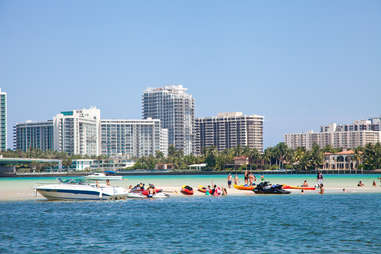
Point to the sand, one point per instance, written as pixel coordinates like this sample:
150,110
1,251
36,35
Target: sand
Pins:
12,189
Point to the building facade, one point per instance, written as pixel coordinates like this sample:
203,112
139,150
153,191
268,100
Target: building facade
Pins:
175,109
133,138
228,130
344,160
3,121
346,136
77,132
34,135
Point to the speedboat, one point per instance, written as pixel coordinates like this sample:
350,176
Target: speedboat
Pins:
267,188
103,177
79,189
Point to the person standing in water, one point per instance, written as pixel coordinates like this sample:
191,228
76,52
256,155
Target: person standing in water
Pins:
321,189
246,177
236,179
229,180
320,178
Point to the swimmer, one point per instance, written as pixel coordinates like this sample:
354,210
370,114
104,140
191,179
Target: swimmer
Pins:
360,184
321,189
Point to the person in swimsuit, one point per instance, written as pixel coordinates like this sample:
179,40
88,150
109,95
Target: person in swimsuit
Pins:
321,189
320,178
251,178
360,184
236,179
246,177
229,180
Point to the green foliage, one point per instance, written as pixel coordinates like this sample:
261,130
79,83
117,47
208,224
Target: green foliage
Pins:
277,157
371,157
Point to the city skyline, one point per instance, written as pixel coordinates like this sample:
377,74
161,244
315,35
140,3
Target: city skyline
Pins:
300,65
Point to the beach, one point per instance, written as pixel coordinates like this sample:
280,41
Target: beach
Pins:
22,188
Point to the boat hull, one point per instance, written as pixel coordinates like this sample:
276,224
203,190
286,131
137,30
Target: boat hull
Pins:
68,195
81,192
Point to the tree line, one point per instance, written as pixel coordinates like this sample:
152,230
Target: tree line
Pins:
276,157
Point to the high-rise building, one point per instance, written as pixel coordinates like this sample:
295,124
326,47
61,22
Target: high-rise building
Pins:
133,138
3,121
376,123
175,109
228,130
347,136
78,131
34,135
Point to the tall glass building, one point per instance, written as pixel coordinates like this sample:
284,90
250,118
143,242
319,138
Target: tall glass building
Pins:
3,121
34,135
175,109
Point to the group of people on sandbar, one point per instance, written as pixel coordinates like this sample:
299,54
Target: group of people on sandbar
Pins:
216,191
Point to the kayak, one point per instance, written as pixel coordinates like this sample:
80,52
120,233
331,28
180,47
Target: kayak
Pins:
187,190
202,189
243,187
297,187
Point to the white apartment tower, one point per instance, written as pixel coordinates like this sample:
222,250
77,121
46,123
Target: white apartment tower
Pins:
228,130
133,138
78,131
175,109
3,121
346,136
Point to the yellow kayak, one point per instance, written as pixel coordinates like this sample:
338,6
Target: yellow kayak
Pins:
243,187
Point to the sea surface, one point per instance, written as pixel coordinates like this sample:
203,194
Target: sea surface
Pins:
330,223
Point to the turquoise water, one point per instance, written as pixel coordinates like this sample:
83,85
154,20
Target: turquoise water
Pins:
259,224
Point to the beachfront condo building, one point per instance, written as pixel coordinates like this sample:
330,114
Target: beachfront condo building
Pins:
175,109
3,121
77,132
346,136
133,138
34,135
227,130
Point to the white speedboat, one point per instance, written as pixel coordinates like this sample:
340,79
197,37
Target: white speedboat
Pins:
102,177
78,189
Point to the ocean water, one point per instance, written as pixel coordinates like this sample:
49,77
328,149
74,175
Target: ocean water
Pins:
258,224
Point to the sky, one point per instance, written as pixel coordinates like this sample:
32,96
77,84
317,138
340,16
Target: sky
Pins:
300,64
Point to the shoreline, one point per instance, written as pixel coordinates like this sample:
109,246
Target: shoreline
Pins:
22,188
174,192
153,173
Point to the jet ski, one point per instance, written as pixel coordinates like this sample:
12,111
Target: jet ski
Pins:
267,188
142,196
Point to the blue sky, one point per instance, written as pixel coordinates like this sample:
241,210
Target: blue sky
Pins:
301,64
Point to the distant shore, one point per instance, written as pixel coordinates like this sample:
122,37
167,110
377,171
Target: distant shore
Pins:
187,172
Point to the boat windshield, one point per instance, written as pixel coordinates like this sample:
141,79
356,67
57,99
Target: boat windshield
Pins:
72,180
